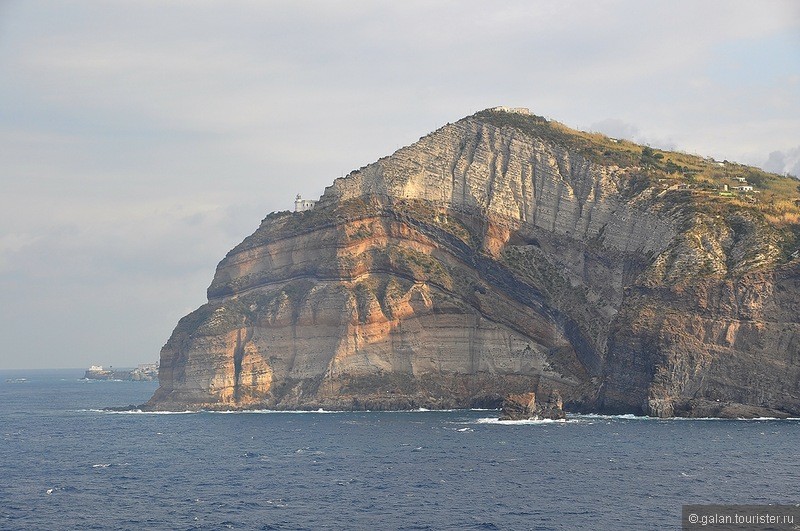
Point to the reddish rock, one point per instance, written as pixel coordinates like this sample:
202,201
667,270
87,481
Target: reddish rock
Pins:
524,407
499,254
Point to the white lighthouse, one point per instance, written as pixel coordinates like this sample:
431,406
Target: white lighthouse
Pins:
301,205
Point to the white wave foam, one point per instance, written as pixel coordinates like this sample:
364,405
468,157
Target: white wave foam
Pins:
739,419
494,420
597,416
594,416
274,411
282,411
571,417
135,412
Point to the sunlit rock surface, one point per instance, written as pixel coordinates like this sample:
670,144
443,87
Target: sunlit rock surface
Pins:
499,254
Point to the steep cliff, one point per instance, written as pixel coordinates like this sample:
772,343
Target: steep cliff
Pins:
503,254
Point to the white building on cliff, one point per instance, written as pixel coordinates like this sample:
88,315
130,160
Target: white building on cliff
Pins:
301,205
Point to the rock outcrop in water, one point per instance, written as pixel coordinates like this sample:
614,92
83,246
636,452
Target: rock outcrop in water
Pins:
518,407
502,254
526,407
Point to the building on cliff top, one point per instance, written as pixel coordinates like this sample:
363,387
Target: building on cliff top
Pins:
301,205
512,110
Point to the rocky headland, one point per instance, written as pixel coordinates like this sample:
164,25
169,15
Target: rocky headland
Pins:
505,254
147,372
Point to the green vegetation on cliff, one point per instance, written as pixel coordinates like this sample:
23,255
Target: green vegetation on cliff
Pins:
689,185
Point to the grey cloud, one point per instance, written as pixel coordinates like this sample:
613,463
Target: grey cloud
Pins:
616,128
141,141
784,162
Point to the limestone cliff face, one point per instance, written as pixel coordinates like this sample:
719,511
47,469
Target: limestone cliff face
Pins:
496,255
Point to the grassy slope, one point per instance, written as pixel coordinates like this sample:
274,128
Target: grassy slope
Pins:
775,198
704,174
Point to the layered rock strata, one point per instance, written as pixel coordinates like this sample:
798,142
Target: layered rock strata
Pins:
495,256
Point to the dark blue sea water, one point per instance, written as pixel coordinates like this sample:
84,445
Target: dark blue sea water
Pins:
64,464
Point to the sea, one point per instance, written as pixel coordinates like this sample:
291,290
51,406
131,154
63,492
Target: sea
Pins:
65,463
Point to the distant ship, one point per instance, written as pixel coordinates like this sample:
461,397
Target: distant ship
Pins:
145,372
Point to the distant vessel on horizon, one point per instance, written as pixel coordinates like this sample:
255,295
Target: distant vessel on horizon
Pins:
144,372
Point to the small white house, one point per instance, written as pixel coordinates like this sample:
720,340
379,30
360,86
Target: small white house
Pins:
301,205
742,179
746,188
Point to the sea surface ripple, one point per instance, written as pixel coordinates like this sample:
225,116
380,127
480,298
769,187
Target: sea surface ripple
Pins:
66,464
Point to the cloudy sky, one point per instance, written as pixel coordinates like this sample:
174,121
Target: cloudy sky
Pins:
141,140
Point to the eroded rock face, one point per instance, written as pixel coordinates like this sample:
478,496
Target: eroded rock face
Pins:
552,409
485,260
519,407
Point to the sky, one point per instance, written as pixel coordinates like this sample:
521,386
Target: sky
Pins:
141,140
